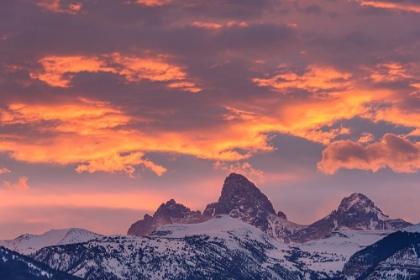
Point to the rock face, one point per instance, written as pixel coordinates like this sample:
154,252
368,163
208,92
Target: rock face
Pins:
241,199
167,213
356,212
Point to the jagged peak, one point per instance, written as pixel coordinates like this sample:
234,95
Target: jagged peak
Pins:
171,204
355,199
361,203
281,214
238,183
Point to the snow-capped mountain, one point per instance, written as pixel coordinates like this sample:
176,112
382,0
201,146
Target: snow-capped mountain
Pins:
14,266
397,256
239,237
28,243
242,200
167,213
356,212
221,248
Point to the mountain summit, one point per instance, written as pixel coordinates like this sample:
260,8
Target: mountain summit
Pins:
167,213
355,212
241,199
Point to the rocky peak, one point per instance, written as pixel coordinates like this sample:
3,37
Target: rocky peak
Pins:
171,209
167,213
281,214
355,212
241,199
358,202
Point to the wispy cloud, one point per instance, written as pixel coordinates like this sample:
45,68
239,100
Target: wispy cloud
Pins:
21,184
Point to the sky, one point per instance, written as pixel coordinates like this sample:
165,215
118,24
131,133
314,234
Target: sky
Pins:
109,108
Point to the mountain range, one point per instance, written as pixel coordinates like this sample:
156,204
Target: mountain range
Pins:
241,236
242,200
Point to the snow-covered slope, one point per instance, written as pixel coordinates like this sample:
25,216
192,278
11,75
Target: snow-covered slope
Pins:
281,228
222,248
14,266
414,228
27,243
394,257
329,254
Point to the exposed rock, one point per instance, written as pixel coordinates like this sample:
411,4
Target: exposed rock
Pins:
241,199
167,213
356,212
280,214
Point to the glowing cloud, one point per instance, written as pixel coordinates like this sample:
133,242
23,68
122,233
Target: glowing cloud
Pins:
366,137
4,170
102,138
57,6
397,153
58,71
397,6
21,185
153,2
121,163
391,72
315,78
207,25
244,168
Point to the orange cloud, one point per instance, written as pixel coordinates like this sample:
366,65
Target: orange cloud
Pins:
153,2
121,163
391,72
397,153
316,78
187,86
392,6
105,138
217,26
234,23
58,71
366,137
207,25
101,138
310,117
57,6
21,185
244,168
4,170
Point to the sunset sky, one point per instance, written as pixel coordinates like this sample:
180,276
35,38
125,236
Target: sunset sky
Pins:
110,107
